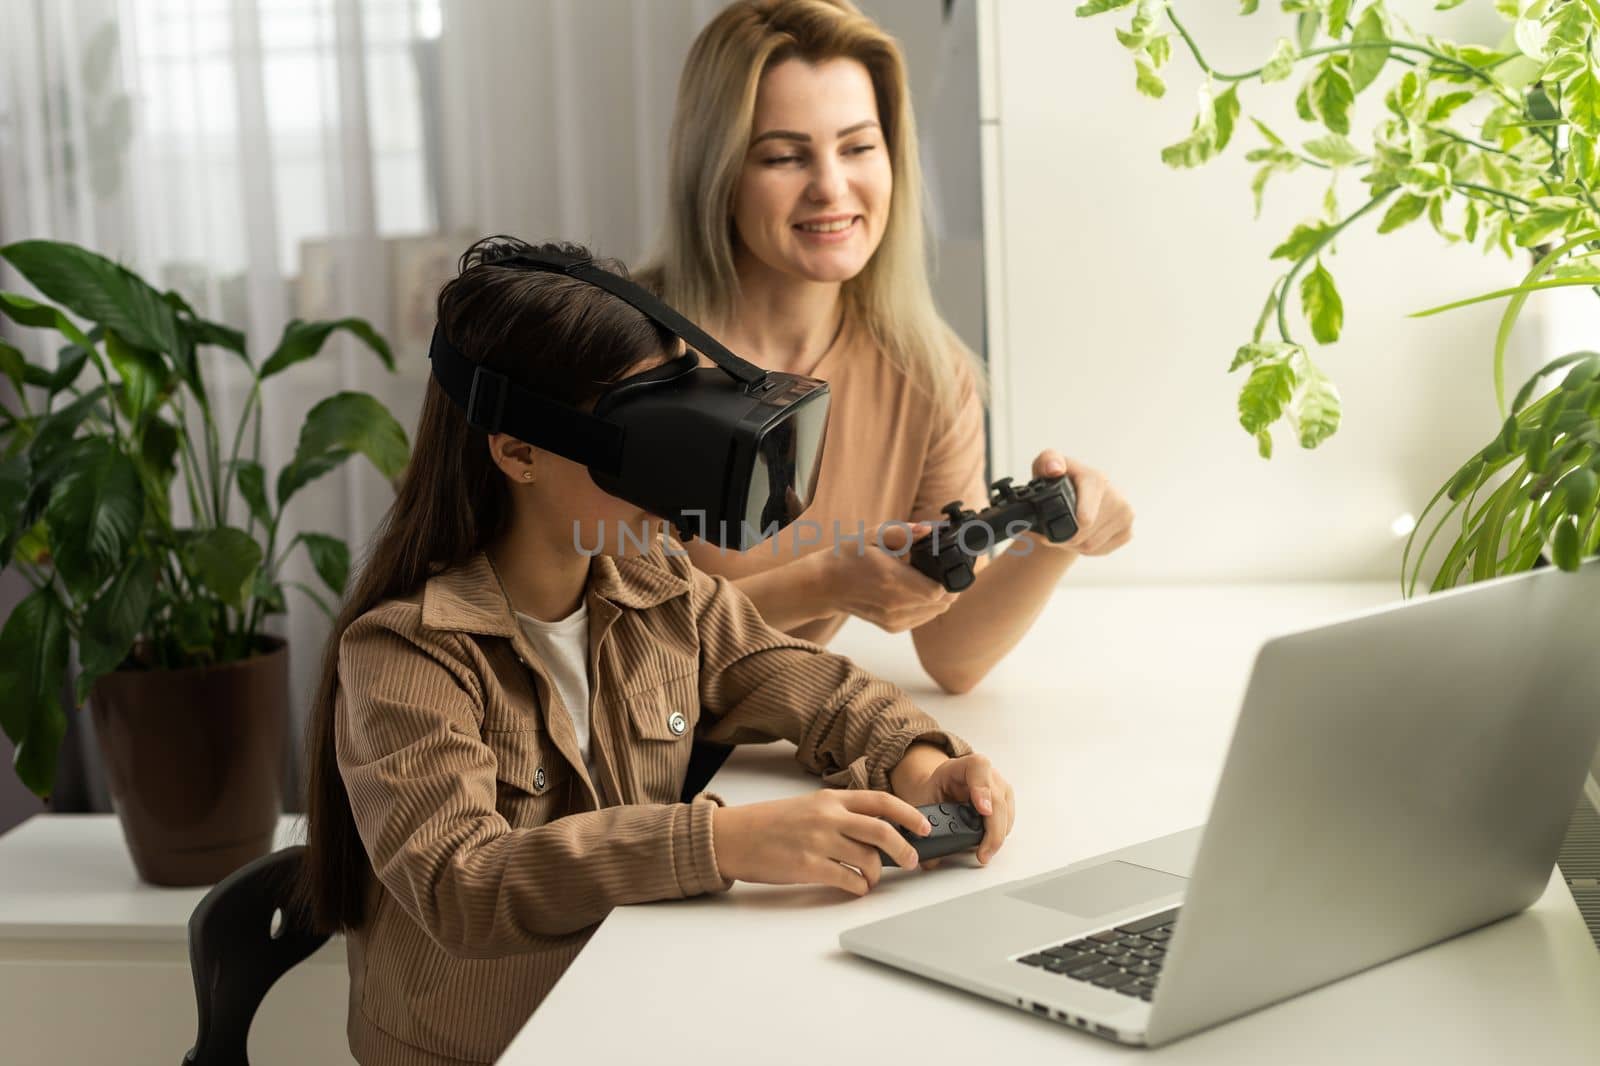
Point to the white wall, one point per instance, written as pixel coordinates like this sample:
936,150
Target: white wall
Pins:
1120,288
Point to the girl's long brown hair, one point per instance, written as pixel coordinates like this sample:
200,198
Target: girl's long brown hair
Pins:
561,337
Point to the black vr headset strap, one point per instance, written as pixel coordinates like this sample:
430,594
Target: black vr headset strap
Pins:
496,404
644,301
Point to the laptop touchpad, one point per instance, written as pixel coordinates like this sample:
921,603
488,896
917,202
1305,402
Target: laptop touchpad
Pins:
1111,886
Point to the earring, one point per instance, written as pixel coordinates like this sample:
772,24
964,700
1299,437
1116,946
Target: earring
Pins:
527,475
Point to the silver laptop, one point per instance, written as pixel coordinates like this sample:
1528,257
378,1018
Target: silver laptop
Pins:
1394,779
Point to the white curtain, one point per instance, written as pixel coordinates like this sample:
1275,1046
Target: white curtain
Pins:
278,159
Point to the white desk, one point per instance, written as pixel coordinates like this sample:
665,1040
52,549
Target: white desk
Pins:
94,963
1111,720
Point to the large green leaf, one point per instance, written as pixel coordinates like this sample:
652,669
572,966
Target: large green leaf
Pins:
93,515
1405,210
1317,409
113,622
1226,110
345,423
143,375
1570,26
69,364
33,667
1147,81
302,472
1583,372
1302,242
1546,220
302,340
253,487
93,287
1306,25
1265,394
1581,101
1565,546
26,311
1338,12
1324,309
1331,95
331,558
1335,150
1578,491
202,331
15,366
1369,53
225,560
1281,64
1427,180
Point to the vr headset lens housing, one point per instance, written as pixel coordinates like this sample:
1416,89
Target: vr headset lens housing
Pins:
730,453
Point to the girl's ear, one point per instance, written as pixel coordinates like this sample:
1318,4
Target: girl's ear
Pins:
517,459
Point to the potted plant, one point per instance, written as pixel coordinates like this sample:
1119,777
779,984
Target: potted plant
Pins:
151,540
1498,147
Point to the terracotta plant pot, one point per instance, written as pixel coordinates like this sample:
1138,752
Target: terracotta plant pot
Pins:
194,760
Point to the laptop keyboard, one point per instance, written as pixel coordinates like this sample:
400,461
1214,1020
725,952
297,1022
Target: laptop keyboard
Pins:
1126,959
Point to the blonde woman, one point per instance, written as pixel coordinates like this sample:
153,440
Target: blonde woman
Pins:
794,234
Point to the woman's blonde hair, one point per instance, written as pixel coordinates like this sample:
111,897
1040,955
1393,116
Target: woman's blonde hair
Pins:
693,269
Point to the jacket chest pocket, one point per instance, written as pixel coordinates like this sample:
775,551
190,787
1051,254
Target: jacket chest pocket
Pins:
531,779
661,720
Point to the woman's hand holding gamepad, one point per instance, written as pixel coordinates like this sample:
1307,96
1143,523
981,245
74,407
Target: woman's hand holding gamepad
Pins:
879,585
820,839
925,774
1105,521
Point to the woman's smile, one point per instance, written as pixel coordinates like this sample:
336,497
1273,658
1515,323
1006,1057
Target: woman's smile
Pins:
832,229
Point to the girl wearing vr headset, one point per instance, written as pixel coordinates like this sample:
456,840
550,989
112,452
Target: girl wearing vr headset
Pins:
794,234
504,718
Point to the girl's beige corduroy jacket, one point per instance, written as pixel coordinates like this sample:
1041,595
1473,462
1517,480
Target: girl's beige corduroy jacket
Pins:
495,856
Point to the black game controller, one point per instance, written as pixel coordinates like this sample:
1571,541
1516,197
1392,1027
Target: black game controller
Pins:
1046,504
956,827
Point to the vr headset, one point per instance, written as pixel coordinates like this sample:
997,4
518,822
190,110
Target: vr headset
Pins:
730,452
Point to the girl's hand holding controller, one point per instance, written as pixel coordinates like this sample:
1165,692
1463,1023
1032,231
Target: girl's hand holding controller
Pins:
878,584
926,775
816,839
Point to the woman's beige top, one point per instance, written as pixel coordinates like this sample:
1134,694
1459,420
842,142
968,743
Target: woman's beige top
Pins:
493,856
889,454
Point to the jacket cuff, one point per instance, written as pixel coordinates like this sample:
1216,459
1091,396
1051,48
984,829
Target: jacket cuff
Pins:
872,769
694,851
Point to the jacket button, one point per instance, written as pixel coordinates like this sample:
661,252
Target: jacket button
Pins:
677,723
539,779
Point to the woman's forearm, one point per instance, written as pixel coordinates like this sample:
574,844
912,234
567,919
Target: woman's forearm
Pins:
962,645
793,593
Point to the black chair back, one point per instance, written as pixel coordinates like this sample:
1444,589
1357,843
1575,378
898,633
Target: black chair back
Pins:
243,936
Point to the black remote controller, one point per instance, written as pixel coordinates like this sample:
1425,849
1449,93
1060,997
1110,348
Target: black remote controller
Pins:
956,827
1046,504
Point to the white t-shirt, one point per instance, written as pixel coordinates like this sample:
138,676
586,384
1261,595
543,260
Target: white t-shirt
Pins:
563,647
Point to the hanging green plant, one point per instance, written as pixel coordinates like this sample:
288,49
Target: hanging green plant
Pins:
1495,147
